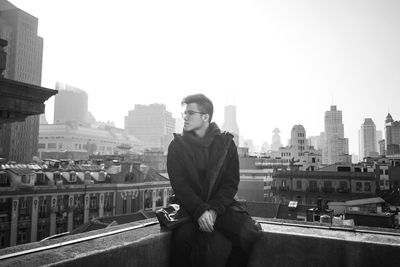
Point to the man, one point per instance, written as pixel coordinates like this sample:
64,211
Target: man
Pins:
203,167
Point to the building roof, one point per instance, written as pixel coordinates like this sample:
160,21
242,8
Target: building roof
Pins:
365,201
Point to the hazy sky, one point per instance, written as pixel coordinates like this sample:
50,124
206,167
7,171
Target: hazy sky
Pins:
281,62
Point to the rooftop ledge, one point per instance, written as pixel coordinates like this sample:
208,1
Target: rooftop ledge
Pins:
284,243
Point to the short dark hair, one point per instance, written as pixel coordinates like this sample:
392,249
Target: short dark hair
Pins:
204,103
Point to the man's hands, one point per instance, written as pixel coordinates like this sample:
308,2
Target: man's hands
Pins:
206,221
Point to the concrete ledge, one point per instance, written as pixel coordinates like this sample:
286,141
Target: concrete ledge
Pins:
280,245
147,246
301,246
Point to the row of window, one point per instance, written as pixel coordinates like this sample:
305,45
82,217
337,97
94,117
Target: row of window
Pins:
328,185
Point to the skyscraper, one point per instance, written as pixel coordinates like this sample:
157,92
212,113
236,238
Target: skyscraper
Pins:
276,140
230,123
336,147
19,140
70,105
298,141
367,139
392,134
152,124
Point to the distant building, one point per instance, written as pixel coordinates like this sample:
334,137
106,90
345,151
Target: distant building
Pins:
276,140
379,137
70,105
230,123
315,141
249,143
392,136
336,183
78,142
336,147
19,140
304,156
367,139
37,201
151,124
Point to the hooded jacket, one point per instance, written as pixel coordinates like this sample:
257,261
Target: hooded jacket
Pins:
216,154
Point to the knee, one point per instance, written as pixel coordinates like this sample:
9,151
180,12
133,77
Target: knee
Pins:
184,235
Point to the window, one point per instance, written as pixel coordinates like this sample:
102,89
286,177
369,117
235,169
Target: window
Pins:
358,186
298,185
3,179
313,160
22,236
343,184
381,172
367,187
42,146
94,202
72,176
387,172
124,206
52,145
327,184
43,207
3,238
40,178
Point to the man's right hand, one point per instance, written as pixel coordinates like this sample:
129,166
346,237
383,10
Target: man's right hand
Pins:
206,221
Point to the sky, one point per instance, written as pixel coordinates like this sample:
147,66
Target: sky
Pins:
281,63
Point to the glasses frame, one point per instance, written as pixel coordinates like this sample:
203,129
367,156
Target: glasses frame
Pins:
190,113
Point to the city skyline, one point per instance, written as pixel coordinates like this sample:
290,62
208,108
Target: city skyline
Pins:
284,63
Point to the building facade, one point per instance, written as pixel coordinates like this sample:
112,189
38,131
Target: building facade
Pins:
307,187
70,105
152,124
19,140
84,141
392,136
367,138
335,146
40,201
276,140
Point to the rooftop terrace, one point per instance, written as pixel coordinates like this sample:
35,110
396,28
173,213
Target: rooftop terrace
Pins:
283,243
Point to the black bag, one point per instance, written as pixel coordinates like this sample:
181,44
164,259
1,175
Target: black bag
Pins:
167,217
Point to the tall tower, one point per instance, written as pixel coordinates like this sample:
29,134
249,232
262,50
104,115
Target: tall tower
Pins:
19,140
230,123
298,141
335,145
152,124
392,134
367,138
276,140
70,105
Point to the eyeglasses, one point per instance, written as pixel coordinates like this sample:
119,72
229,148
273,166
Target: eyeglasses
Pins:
189,113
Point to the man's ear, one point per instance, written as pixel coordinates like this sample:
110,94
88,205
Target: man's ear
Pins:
206,117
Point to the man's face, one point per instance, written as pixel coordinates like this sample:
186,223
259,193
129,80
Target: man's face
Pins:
193,117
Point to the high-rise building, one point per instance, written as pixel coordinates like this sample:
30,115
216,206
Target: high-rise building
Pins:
152,124
392,134
367,138
298,140
230,123
19,140
336,147
315,141
70,105
276,140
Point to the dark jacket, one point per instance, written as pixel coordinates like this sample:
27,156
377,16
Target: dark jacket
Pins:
191,190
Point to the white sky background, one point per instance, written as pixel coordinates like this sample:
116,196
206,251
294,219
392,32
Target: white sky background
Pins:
281,62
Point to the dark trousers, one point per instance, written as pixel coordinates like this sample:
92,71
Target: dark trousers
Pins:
230,243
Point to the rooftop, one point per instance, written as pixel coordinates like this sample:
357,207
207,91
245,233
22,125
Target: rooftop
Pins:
144,243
